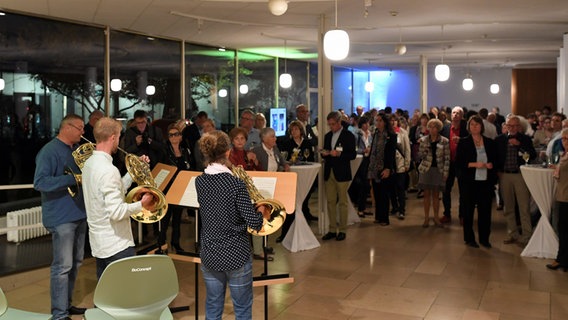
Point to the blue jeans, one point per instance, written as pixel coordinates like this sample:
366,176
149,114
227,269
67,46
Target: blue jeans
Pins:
240,285
68,242
102,263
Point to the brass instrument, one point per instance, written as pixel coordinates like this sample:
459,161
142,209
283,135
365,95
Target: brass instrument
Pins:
140,173
276,208
80,155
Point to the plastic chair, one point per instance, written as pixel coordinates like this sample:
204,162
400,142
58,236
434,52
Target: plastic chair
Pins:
7,313
136,288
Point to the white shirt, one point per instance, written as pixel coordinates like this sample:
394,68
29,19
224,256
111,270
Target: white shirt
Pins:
108,215
490,130
272,163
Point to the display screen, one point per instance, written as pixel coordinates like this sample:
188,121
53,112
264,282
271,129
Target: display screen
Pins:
278,121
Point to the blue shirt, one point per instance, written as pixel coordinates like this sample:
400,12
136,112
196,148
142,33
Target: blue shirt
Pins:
58,207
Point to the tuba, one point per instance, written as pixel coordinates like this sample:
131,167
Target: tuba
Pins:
140,173
276,208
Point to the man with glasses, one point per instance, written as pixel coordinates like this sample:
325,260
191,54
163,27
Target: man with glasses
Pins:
247,122
510,148
143,139
64,216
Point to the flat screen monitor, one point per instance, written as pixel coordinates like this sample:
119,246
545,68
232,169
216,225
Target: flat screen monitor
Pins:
278,121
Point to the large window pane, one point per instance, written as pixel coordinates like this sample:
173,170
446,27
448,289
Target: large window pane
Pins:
50,69
257,78
210,82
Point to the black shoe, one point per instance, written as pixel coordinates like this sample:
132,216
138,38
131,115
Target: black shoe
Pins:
329,235
556,265
279,239
401,216
178,248
340,236
76,310
485,244
472,244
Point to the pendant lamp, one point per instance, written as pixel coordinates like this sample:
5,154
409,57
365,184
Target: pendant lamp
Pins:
336,42
285,79
115,85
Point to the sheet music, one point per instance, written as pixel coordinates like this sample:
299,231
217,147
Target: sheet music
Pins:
189,198
161,176
265,185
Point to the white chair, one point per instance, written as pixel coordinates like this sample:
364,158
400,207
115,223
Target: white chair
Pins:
7,313
136,288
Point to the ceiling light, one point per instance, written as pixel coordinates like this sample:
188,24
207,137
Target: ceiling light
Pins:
150,90
2,84
336,42
223,93
442,72
277,7
494,88
400,49
244,89
467,83
115,85
285,79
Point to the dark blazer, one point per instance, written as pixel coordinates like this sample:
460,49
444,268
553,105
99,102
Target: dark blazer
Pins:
290,144
340,165
190,136
501,145
463,130
467,153
262,158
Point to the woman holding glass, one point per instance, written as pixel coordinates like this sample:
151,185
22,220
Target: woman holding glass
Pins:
434,167
474,163
297,141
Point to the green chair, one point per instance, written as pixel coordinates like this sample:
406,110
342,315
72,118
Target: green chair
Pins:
7,313
135,288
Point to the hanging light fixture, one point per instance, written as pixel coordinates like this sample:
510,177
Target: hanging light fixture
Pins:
494,88
285,79
400,48
2,84
277,7
442,70
223,93
336,42
244,89
115,84
467,83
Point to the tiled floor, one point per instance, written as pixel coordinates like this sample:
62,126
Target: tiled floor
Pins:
402,271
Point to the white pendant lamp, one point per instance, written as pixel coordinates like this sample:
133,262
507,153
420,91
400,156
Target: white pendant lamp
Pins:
336,42
244,89
285,79
2,84
115,85
442,72
223,93
150,90
467,83
277,7
400,48
494,88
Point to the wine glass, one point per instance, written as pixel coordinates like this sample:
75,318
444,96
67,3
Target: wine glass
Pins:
306,153
284,155
526,157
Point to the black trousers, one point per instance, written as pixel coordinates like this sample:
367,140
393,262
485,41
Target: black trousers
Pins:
476,194
562,256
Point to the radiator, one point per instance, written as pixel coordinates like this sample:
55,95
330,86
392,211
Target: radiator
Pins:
25,224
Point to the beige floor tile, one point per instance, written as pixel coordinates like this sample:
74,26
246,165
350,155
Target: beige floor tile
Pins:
480,315
438,312
558,306
459,297
516,302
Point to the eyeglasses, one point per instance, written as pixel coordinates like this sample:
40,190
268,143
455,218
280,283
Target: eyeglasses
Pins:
246,119
78,128
175,134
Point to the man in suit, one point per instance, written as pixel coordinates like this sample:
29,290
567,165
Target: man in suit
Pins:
339,150
510,148
454,131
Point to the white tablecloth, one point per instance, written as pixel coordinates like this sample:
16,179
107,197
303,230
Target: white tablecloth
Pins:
542,185
300,237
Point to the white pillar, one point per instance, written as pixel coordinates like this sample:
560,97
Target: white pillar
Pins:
423,84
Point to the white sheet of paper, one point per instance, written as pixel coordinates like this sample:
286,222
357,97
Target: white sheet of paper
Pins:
265,185
189,197
161,176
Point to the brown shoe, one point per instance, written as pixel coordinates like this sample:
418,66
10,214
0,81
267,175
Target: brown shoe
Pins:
509,240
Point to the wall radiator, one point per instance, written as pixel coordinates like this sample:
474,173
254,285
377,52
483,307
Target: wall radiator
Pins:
24,224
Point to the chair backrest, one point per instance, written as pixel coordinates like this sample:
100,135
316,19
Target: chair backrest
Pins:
3,302
138,287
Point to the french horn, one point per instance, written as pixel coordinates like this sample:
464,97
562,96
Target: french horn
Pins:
80,155
276,208
140,173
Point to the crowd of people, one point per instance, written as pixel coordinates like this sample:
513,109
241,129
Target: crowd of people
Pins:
422,153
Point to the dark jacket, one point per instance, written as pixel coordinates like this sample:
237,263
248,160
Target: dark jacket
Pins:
341,165
467,153
501,145
154,150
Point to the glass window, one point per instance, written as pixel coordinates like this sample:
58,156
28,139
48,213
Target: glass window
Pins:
257,78
289,98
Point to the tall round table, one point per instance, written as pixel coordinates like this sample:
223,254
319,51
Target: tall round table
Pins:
300,236
541,185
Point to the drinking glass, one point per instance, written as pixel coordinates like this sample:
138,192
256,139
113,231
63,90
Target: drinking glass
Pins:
306,154
526,157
